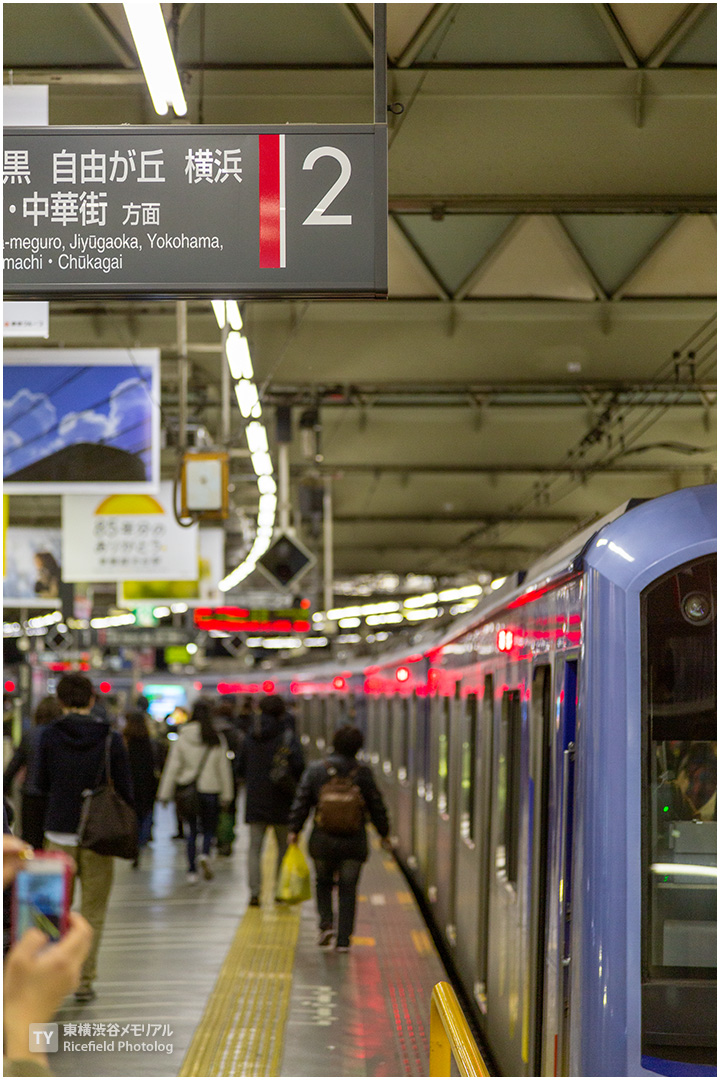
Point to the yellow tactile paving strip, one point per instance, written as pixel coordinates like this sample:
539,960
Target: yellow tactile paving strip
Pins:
241,1031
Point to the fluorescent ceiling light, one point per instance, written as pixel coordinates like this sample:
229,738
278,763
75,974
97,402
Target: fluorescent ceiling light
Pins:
266,485
218,307
238,356
158,63
424,613
247,398
421,601
261,463
256,436
234,316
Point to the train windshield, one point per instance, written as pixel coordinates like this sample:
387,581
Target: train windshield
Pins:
679,615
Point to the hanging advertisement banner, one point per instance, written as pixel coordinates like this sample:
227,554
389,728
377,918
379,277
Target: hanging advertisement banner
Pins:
32,567
81,420
126,537
202,590
156,211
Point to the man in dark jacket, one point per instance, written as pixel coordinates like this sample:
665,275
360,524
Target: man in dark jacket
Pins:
266,803
71,759
338,857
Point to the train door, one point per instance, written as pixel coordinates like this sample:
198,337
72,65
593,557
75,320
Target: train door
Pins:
539,781
447,814
402,769
506,958
556,980
419,861
467,842
484,838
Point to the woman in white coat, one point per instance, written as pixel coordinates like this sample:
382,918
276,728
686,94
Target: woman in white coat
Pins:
200,755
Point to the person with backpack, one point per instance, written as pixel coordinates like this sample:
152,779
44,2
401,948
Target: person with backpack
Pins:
270,761
344,794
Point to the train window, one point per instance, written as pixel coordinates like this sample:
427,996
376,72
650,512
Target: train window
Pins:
508,790
444,755
467,780
679,700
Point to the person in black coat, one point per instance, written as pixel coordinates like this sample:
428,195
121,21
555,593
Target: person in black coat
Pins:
32,802
143,769
72,758
267,804
338,857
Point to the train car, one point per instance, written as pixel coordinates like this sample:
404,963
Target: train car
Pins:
550,767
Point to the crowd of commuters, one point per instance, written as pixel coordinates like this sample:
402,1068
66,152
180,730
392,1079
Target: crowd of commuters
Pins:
200,765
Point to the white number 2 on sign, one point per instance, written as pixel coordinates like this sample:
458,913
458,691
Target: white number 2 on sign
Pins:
318,215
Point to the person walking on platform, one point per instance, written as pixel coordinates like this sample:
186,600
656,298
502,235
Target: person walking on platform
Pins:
344,794
32,803
271,761
143,768
199,757
71,759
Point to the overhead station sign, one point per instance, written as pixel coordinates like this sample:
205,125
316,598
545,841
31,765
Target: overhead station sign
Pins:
156,211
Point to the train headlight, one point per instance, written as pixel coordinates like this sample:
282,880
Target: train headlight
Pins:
697,608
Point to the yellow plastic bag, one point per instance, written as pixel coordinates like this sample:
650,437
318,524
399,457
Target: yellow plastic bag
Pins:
294,884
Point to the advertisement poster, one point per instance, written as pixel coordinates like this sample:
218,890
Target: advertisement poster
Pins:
32,566
126,538
85,420
202,590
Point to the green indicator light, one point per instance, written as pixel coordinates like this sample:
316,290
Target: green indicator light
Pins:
665,809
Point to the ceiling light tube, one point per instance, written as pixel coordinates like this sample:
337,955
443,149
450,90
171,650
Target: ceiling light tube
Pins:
247,397
149,32
256,436
218,307
262,463
266,485
234,316
238,356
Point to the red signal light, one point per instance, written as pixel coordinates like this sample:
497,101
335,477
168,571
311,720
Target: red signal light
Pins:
105,687
339,683
305,604
10,686
402,674
197,686
505,640
268,687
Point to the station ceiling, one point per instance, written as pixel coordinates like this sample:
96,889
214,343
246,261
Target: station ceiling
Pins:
548,346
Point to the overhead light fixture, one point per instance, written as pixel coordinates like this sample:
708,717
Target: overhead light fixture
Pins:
218,307
158,63
256,436
238,356
247,398
233,315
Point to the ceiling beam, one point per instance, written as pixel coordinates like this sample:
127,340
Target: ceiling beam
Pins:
419,467
675,35
618,35
640,203
115,40
451,519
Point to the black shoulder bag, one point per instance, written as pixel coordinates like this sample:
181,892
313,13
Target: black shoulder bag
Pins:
108,825
186,795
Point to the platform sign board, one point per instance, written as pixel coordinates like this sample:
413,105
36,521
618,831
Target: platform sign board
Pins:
156,211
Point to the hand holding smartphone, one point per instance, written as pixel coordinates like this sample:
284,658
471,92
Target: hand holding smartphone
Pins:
42,894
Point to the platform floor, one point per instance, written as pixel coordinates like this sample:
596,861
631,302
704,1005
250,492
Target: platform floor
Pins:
192,982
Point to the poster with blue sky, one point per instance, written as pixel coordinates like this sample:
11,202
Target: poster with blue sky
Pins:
81,421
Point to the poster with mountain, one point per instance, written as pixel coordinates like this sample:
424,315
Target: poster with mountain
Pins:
81,421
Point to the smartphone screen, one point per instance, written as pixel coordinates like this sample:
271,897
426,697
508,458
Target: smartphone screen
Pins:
41,900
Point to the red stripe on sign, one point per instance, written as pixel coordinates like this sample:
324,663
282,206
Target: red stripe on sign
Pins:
269,170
